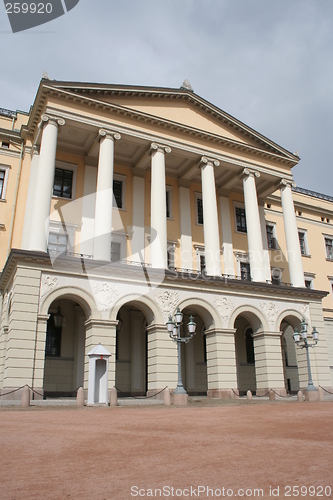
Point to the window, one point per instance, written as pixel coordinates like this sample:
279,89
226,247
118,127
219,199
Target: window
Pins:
329,248
169,202
308,283
115,252
63,183
202,264
171,257
303,242
5,144
199,209
245,271
2,181
53,338
118,186
240,219
57,243
271,239
4,171
117,194
249,346
276,274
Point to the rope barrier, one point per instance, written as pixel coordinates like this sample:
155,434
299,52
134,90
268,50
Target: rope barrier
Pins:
141,397
280,395
328,392
11,392
235,393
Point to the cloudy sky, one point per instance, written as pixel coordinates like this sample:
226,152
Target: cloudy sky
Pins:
269,63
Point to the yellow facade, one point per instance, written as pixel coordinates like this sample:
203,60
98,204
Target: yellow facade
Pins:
190,130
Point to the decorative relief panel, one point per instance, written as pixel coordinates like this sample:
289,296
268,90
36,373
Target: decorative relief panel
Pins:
305,311
105,295
271,311
48,284
167,302
224,307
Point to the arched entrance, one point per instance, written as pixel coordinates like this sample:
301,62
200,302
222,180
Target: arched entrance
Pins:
194,357
290,354
245,358
131,351
64,348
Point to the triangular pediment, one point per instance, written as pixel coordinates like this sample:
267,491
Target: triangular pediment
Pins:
180,108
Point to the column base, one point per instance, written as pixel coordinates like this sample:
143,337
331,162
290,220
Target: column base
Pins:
222,393
279,391
179,399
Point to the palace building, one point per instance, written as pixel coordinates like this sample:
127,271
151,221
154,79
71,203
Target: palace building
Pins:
120,203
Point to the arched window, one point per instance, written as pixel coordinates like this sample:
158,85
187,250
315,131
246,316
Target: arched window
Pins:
249,346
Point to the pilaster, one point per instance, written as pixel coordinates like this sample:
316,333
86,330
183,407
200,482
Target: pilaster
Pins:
221,363
268,362
162,359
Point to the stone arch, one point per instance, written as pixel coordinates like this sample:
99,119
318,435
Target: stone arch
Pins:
254,316
292,316
82,297
205,309
142,302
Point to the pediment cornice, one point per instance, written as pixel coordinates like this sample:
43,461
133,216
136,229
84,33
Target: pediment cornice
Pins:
91,95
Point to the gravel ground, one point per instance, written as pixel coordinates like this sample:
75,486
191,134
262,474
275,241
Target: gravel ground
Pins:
127,452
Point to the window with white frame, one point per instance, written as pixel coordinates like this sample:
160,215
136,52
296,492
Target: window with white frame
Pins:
171,256
309,280
64,180
118,247
271,236
303,242
329,247
276,274
57,243
4,171
243,266
201,261
240,219
169,202
199,208
119,184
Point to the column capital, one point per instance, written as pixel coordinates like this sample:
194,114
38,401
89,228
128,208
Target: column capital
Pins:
287,182
51,119
250,172
161,148
221,332
42,318
261,334
100,323
205,160
110,134
34,150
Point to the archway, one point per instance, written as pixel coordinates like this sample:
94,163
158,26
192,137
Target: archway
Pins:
194,353
290,355
64,348
131,351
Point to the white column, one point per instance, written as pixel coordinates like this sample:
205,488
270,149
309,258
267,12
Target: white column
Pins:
254,237
211,225
104,196
31,195
158,243
44,185
267,263
138,234
88,210
290,227
227,246
186,247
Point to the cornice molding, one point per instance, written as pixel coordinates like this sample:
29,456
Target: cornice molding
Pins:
174,144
